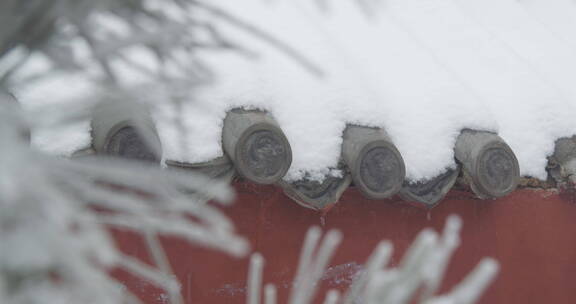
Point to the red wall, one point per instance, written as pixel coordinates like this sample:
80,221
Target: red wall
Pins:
532,233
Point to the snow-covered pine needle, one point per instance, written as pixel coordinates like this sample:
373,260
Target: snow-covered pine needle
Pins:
378,260
472,287
270,294
312,266
55,215
161,260
255,279
332,297
416,279
435,269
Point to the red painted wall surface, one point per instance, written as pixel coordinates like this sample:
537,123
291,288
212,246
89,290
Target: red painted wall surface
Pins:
532,233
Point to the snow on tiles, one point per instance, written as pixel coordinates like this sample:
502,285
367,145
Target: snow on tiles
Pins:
421,70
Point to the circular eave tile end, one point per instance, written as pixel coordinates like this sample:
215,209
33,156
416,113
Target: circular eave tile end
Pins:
263,154
379,171
125,142
497,171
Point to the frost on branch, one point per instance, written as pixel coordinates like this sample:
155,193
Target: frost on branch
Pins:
116,41
418,276
152,52
55,245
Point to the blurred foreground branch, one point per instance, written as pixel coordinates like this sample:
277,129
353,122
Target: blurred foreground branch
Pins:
416,279
56,247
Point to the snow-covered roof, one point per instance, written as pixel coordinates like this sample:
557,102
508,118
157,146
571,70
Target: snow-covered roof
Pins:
421,70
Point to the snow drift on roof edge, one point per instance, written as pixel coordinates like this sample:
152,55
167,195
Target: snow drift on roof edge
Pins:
421,70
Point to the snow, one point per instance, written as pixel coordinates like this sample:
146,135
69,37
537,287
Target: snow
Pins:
422,70
54,90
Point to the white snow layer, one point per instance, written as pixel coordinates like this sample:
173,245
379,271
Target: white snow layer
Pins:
422,70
